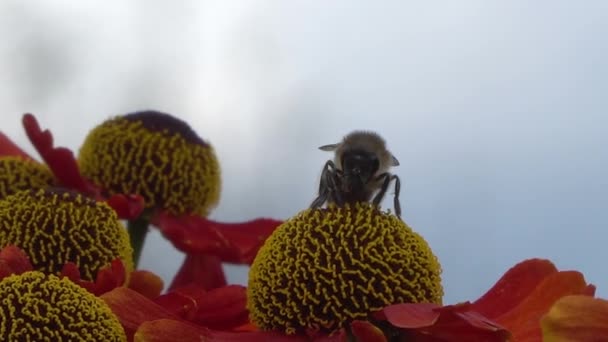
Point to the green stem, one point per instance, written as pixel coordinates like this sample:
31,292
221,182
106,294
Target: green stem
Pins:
138,228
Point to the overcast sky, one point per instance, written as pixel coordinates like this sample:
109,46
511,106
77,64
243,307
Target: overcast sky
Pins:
497,112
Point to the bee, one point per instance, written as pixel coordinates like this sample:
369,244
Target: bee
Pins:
358,170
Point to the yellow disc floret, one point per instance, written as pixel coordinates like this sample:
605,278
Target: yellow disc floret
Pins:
17,173
157,156
54,227
39,307
326,267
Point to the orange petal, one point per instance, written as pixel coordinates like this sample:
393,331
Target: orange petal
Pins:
133,308
576,318
365,331
410,316
167,330
513,287
146,283
523,320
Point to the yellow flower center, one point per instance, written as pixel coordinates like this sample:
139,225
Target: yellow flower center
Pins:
55,227
326,267
39,307
18,174
157,156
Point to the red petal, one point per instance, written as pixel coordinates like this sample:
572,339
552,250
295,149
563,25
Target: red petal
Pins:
223,308
576,318
133,309
110,277
146,283
365,331
127,207
107,278
60,160
183,306
9,149
167,330
13,260
523,320
201,270
429,322
513,287
232,242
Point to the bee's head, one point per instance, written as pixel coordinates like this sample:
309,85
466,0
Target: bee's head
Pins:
359,165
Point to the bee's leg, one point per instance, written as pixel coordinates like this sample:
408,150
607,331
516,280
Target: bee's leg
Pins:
325,184
387,180
334,189
396,199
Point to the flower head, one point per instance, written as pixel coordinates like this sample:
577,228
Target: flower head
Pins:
327,267
55,226
155,155
17,173
39,307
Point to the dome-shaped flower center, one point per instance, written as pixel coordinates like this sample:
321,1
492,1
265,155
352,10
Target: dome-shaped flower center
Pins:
18,174
326,267
55,227
157,156
39,307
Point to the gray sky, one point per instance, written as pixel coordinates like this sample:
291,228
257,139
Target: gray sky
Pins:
496,111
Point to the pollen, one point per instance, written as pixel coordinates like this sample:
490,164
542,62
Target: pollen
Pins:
154,155
18,174
39,307
54,226
325,267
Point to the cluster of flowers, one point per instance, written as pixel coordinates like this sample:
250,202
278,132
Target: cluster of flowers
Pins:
68,265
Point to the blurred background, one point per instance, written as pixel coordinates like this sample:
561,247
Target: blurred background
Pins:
498,112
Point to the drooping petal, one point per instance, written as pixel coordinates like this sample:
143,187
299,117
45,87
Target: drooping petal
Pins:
133,308
365,331
576,318
223,308
60,160
513,287
167,330
231,242
201,270
13,260
9,149
523,320
146,283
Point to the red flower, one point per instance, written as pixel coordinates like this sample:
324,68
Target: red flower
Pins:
207,243
511,309
62,164
13,260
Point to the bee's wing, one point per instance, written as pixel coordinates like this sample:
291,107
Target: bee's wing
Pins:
394,161
330,147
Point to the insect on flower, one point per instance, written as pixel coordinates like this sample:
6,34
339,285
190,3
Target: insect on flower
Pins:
358,170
